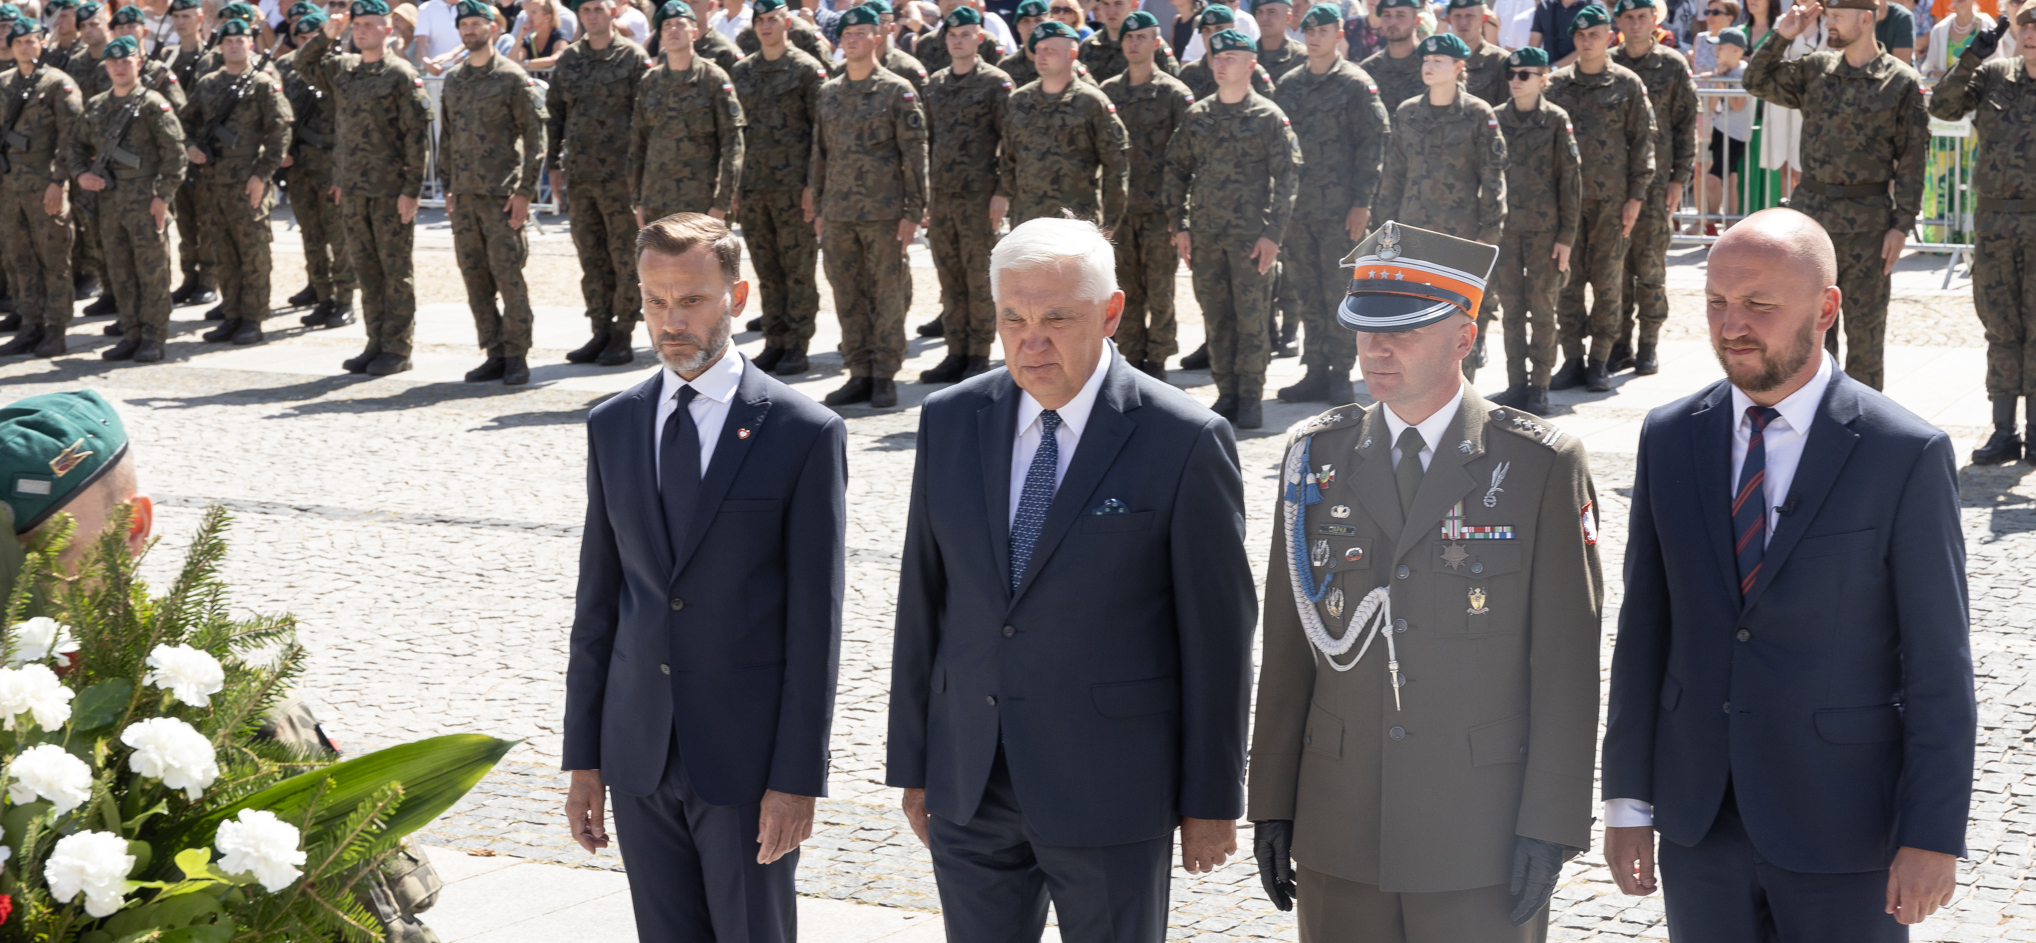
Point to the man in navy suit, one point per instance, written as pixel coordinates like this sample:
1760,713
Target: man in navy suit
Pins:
1791,696
1072,666
701,683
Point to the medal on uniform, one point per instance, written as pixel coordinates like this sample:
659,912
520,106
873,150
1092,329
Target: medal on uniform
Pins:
1453,555
1327,476
1340,511
1320,556
1373,612
1498,478
1477,601
1354,554
1334,603
1389,242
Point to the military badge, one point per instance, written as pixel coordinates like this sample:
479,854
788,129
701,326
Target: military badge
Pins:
1353,555
1453,555
1498,478
1336,530
1389,246
1463,446
1477,601
1334,603
1320,555
1340,511
69,458
1326,476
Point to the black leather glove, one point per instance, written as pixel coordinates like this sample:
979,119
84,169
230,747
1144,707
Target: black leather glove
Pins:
1536,865
1272,844
1984,44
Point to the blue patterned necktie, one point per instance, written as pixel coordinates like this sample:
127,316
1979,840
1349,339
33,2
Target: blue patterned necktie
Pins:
1749,503
1037,496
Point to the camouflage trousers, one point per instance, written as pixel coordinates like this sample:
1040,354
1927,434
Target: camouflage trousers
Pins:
1598,260
1863,283
604,237
236,242
786,256
1025,209
190,256
491,257
326,265
1527,285
1312,258
1236,301
2004,291
1646,286
866,268
37,250
960,236
1146,265
379,243
137,258
87,260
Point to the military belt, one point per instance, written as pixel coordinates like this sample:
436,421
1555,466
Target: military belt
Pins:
1988,204
314,139
1835,191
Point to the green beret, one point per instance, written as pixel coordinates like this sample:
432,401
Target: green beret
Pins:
1591,15
1455,5
1260,3
55,445
368,8
883,7
672,9
1443,44
311,23
9,11
237,11
88,10
1051,29
122,47
1217,15
962,16
1384,5
24,27
472,8
234,28
1137,21
54,7
181,5
128,16
1031,8
860,16
766,6
303,8
1322,14
1230,40
1528,57
1622,7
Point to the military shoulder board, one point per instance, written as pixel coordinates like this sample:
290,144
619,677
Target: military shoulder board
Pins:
1341,415
1525,426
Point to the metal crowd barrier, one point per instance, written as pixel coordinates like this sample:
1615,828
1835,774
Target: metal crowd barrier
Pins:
434,88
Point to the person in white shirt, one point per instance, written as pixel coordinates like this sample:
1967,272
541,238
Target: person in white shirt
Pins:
731,19
437,36
1244,24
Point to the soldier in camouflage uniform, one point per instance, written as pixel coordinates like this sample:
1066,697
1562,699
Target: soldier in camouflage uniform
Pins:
1197,75
35,211
187,18
1543,183
237,130
308,174
801,34
1484,70
80,58
132,171
383,120
1151,105
1607,105
492,131
1059,136
1396,70
1343,128
1232,174
685,146
965,106
2001,93
1103,52
707,44
588,106
1019,65
1866,139
1277,54
897,61
157,76
931,46
780,91
868,179
1674,96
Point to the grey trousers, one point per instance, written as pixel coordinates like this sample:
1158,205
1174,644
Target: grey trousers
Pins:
1333,910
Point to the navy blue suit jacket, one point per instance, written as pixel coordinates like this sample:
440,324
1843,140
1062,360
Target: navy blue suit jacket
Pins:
1844,714
1118,675
737,641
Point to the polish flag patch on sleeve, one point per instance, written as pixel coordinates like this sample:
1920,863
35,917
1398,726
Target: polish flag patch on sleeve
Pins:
1492,122
1590,522
418,83
911,97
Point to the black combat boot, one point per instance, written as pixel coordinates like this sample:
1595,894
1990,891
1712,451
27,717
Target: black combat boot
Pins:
342,312
84,287
150,350
1250,414
249,332
202,295
1621,359
113,330
1569,377
224,332
1597,379
948,371
101,307
490,369
618,352
1313,386
591,350
753,326
768,360
1536,401
12,322
1340,390
856,390
1513,396
794,364
1646,363
1225,406
933,328
23,342
1199,360
515,371
216,312
182,296
2002,447
316,317
123,350
976,366
883,394
388,364
305,298
53,343
359,363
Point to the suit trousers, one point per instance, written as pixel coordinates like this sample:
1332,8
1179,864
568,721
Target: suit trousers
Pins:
1723,891
692,867
996,877
1333,910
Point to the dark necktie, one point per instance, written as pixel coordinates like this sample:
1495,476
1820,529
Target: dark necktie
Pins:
678,462
1407,474
1749,503
1037,496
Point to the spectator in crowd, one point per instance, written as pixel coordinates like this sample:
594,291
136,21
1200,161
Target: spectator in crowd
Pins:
1896,29
1516,22
1951,35
1683,19
538,38
731,19
402,28
1241,23
1939,9
1069,12
1551,29
569,22
1361,37
1703,47
1731,127
437,36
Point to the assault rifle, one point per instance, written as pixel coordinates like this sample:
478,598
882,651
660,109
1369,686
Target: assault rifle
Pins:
10,138
214,134
110,148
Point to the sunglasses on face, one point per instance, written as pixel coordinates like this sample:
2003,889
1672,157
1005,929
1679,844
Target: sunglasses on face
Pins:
1520,75
1714,13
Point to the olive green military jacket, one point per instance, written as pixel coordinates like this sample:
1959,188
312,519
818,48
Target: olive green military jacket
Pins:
931,50
253,135
185,64
1543,177
1495,592
73,57
1343,127
588,106
1233,170
315,130
1863,128
1201,79
780,109
716,48
1397,79
1281,59
869,156
1484,75
685,143
2002,100
802,35
1104,57
39,147
1674,95
1445,169
147,161
1023,72
905,67
1614,129
965,125
491,130
158,76
1059,148
1150,113
384,118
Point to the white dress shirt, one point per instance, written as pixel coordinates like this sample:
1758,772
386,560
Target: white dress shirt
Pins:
1246,24
1073,418
1431,428
438,30
710,408
1001,31
1784,439
729,27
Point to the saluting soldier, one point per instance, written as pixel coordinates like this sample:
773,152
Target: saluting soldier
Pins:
1062,139
1607,104
1151,105
1484,70
2001,93
129,153
1866,138
1428,704
238,129
308,172
1543,204
1674,96
800,33
588,107
965,108
1231,179
1396,69
43,111
187,19
868,179
1103,53
1019,64
931,46
685,145
779,87
1343,128
1198,75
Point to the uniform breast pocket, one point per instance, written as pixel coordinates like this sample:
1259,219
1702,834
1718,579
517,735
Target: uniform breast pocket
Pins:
1530,147
1479,591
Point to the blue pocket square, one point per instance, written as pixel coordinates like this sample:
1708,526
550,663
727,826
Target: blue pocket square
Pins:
1112,506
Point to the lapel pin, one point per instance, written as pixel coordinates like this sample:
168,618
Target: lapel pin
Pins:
1463,446
1320,555
1498,478
1477,602
742,433
1340,511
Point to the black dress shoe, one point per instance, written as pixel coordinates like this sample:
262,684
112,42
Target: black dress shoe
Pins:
113,330
933,328
948,371
754,325
1569,377
768,360
856,390
216,313
53,343
1155,369
589,351
1513,396
490,369
249,332
2002,447
1250,415
1536,401
388,364
342,313
83,288
23,342
618,352
101,307
794,363
11,322
150,350
121,351
883,394
1199,360
1310,390
1597,379
305,298
976,365
224,332
1226,406
1621,359
1647,362
317,316
359,363
515,371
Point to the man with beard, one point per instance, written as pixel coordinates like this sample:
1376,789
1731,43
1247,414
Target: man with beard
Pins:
1792,689
700,685
1396,68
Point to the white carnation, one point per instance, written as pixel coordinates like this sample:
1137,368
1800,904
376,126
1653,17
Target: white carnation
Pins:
40,638
50,772
33,689
192,675
94,862
262,844
168,749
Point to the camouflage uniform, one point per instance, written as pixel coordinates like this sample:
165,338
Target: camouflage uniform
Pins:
905,67
1343,129
931,50
155,74
716,48
1484,75
383,120
309,179
965,120
685,144
87,261
1147,261
1104,57
1023,72
190,258
1201,80
1614,127
1053,147
1445,170
1281,59
1397,79
137,253
802,35
252,136
588,107
1231,179
2004,180
781,102
492,134
868,173
1863,128
38,245
1674,96
1543,183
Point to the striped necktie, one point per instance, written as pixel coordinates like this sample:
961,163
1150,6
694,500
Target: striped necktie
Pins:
1749,503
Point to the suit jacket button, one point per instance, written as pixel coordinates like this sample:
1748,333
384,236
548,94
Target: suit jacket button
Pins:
1744,635
667,669
1009,631
1403,572
1397,733
1728,707
678,604
991,698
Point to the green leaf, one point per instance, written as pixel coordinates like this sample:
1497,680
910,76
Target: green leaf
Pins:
133,825
101,704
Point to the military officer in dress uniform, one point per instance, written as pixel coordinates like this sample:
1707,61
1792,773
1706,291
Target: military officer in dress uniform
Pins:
1428,706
